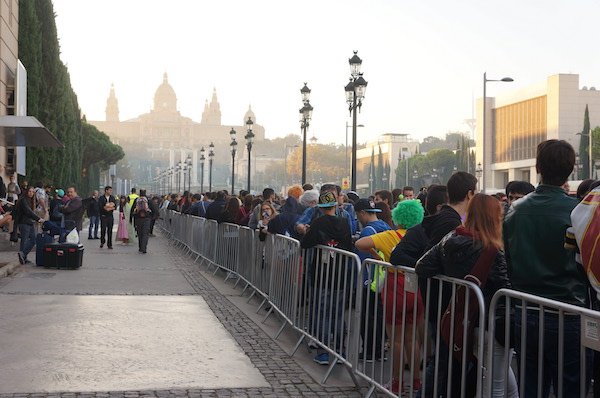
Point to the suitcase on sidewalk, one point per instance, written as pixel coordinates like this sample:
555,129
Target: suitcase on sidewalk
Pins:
63,255
41,240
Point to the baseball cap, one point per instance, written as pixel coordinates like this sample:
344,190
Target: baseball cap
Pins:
366,205
353,196
60,193
327,199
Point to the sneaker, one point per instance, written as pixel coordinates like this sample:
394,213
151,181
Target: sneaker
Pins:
101,245
322,359
312,344
110,247
21,258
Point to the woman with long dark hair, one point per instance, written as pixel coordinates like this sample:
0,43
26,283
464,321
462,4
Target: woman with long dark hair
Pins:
455,256
231,211
27,219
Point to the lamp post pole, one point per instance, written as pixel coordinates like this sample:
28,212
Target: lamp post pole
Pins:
233,145
483,157
202,159
249,139
179,171
171,179
211,154
188,161
305,116
355,92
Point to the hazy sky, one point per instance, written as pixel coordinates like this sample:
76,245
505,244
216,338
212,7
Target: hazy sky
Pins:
424,60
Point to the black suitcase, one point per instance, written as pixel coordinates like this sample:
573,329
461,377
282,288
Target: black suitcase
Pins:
63,255
41,240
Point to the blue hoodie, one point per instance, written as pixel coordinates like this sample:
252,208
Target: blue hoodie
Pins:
284,223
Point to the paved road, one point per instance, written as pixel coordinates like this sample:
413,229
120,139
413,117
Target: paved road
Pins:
129,325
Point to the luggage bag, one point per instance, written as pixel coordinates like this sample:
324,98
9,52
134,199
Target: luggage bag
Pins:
63,255
41,240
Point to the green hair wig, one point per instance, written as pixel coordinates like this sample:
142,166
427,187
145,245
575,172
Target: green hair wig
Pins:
408,213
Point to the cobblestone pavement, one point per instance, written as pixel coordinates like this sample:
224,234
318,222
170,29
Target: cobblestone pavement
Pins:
285,377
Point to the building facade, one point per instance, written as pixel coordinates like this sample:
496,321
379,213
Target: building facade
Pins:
518,120
170,137
393,147
9,49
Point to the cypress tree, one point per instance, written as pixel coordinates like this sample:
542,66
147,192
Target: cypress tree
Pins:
388,172
584,145
372,178
379,174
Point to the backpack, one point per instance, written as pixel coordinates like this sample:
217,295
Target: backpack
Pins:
141,207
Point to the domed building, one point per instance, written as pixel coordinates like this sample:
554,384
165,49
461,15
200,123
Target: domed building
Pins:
168,136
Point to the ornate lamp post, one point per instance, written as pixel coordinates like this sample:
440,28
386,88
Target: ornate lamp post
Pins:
202,159
305,116
179,170
249,139
355,92
188,161
211,155
170,172
233,145
483,157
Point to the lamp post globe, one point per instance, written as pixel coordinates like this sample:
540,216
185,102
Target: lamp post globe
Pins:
305,116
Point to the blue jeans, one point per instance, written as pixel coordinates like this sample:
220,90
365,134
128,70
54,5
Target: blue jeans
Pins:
571,353
94,221
27,238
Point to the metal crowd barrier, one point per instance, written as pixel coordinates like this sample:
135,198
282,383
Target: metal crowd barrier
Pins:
553,342
246,244
328,296
286,274
227,248
260,274
392,310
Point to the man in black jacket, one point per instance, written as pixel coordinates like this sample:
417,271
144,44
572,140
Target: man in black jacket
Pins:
142,212
73,209
216,207
107,204
326,273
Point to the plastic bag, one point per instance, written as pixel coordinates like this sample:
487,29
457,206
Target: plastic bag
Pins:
73,237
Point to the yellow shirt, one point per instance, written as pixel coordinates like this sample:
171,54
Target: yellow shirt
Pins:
386,241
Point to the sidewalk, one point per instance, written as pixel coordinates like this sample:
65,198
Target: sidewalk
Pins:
143,325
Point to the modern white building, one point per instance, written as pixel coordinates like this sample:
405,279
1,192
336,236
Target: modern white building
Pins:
518,120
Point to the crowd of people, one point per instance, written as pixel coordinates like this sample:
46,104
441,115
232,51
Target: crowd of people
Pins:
531,239
28,211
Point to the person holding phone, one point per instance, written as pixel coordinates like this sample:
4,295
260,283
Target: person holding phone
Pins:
267,212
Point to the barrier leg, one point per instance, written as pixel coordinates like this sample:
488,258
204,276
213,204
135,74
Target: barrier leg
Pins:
261,304
300,340
280,330
268,314
251,295
329,370
244,290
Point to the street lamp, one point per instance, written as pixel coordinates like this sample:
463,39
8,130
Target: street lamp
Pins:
202,159
355,92
179,169
171,172
478,173
346,147
590,156
211,154
249,138
305,116
188,161
233,145
485,80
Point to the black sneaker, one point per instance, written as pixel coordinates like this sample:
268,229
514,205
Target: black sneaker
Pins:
21,258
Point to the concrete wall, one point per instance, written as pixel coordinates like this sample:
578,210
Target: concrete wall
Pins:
9,46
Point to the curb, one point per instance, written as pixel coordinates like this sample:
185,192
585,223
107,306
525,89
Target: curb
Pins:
9,269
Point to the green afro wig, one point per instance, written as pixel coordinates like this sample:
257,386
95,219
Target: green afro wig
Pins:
408,213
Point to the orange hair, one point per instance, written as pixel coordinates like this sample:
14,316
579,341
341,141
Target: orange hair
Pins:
295,191
484,220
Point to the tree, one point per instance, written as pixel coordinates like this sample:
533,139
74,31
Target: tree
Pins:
323,162
379,173
596,144
388,173
584,145
372,179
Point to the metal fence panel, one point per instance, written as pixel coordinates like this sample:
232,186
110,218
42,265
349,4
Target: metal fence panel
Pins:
392,310
554,343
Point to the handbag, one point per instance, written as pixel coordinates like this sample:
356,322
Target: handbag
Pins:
478,275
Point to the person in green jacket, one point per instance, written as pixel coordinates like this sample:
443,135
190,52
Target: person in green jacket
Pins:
534,231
